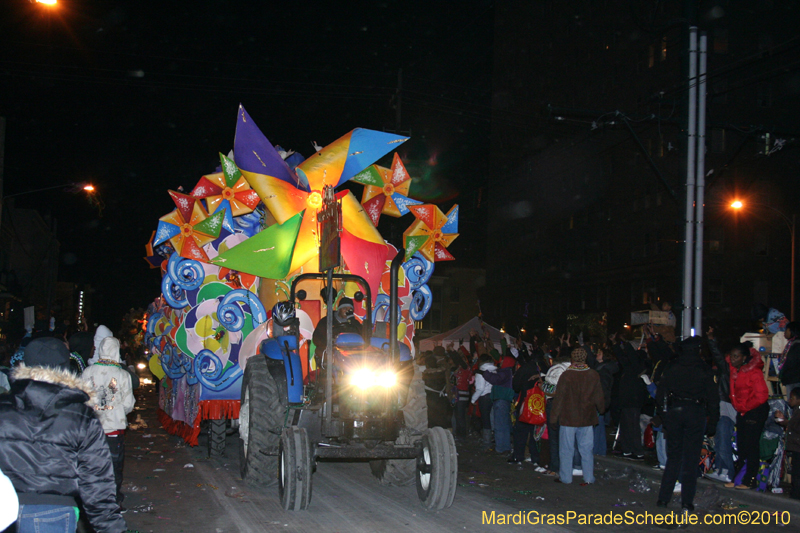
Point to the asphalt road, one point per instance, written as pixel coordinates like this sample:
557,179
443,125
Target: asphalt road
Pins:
173,488
166,494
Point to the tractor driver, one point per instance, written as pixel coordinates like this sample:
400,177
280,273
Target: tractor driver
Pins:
344,322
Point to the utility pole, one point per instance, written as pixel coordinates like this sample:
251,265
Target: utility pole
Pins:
688,258
701,183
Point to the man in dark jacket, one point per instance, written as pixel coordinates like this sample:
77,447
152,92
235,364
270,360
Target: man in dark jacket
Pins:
502,396
792,439
686,396
578,399
53,447
789,361
723,438
606,368
344,321
632,396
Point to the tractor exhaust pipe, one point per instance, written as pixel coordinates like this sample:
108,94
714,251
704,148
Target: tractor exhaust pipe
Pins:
394,319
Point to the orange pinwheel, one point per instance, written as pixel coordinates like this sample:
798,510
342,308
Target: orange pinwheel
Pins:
227,185
189,227
431,233
385,190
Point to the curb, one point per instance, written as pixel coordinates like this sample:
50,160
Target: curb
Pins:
780,502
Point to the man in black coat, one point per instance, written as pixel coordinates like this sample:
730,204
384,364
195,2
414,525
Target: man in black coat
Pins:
790,358
52,446
687,396
632,396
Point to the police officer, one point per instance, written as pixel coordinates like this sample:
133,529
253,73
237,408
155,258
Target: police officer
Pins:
687,396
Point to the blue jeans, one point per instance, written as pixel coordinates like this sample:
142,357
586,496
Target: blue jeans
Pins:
502,425
661,448
552,437
47,519
600,441
723,446
567,437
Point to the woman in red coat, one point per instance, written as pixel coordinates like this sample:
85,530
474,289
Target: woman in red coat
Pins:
749,397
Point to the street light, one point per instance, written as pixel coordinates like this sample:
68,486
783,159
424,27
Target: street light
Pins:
791,224
87,187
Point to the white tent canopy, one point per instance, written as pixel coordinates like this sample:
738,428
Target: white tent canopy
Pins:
454,338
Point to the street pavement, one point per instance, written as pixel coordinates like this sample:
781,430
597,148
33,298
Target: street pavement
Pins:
173,488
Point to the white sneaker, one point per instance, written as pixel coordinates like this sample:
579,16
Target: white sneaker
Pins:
677,487
576,472
540,469
527,459
721,475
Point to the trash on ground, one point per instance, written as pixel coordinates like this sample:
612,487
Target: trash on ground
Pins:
639,484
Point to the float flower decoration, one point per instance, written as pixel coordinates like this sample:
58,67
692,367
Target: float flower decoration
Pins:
385,190
189,227
287,193
431,233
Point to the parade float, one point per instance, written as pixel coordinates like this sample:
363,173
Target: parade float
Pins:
232,247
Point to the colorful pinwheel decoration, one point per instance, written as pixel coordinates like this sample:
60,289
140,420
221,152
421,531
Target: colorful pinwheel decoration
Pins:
288,193
385,190
431,233
189,227
228,185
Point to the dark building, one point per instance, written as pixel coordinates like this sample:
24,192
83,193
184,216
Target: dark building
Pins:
589,151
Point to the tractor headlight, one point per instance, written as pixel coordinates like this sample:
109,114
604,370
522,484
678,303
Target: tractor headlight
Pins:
363,378
387,379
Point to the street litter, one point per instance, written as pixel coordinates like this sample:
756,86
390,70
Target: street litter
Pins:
639,484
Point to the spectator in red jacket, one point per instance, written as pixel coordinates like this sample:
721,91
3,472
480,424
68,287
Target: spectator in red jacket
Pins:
749,397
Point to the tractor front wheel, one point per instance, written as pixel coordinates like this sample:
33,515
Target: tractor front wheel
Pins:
437,469
295,469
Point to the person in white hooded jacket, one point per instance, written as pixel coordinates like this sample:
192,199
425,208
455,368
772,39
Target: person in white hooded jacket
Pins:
483,397
112,402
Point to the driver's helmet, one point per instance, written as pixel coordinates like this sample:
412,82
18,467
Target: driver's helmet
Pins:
283,313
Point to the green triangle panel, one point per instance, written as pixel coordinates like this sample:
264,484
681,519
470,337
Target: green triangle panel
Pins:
230,170
212,225
370,176
414,243
267,254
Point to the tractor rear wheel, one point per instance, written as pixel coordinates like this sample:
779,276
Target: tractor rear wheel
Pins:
216,437
261,417
437,469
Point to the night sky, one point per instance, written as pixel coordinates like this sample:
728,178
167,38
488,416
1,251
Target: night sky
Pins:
140,97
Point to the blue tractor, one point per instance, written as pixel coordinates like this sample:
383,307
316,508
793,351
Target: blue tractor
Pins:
357,408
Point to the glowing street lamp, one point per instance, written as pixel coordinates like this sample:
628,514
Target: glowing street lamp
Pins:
47,2
791,224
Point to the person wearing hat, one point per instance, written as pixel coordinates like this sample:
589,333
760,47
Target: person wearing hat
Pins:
686,396
344,321
52,446
578,399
